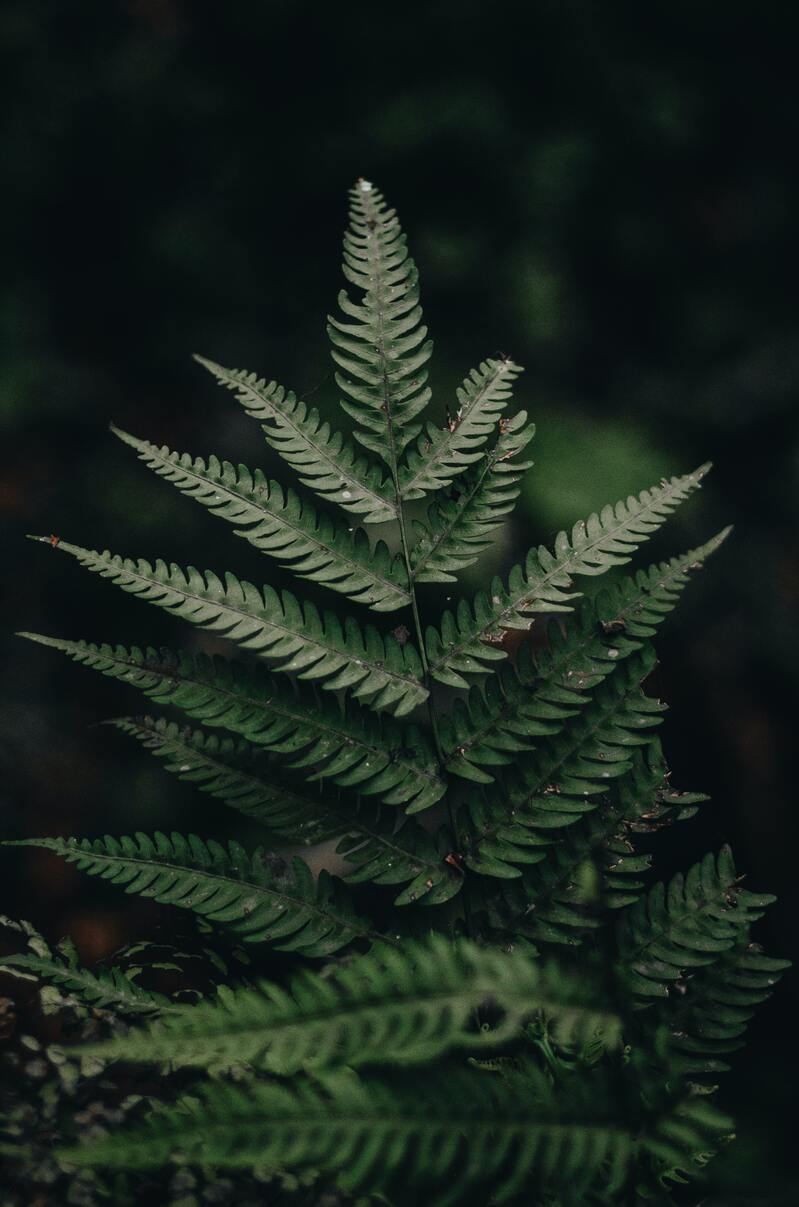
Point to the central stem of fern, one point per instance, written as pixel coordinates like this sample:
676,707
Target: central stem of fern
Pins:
393,463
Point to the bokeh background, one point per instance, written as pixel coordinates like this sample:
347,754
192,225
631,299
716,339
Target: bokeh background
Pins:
606,192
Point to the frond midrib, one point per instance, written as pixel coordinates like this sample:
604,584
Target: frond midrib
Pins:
74,850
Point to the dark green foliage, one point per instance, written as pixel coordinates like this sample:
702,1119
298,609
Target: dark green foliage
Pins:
388,1007
259,897
556,1018
113,989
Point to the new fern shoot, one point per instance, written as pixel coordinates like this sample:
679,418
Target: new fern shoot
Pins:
494,1003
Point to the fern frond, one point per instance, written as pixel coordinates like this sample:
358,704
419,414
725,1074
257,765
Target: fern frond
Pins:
229,770
707,1021
441,454
565,779
258,897
444,1137
683,926
381,346
562,898
471,635
464,521
285,526
685,1136
391,1006
377,669
103,988
323,460
385,849
499,720
636,605
378,757
539,695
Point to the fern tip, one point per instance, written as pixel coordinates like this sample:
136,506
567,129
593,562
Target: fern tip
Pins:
210,365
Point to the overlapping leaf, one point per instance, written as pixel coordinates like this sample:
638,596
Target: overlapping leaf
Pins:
471,635
285,526
464,521
378,757
385,847
323,460
541,693
564,780
406,1006
441,454
684,926
314,646
595,865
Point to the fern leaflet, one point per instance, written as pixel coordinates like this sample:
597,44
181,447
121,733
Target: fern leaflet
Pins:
259,897
539,695
471,635
380,757
405,1006
324,461
463,522
565,780
285,526
684,926
316,647
385,848
459,1129
104,989
440,455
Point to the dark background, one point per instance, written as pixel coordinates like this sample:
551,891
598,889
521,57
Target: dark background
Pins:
606,192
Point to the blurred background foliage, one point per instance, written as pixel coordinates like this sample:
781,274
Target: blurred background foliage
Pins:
606,192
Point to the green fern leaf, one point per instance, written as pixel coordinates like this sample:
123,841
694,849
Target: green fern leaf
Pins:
406,1006
377,757
685,925
229,770
707,1021
565,779
556,902
440,455
462,524
472,634
285,526
260,897
381,347
324,461
376,669
445,1137
103,988
385,849
539,695
683,1137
